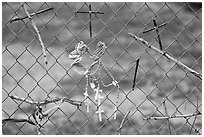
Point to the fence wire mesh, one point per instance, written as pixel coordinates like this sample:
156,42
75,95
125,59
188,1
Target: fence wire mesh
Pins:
156,95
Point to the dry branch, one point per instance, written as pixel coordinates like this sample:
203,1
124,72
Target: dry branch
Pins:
45,102
38,33
123,120
32,14
180,64
174,116
136,68
17,120
194,119
165,108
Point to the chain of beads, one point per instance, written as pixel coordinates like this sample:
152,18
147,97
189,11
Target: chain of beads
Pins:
91,80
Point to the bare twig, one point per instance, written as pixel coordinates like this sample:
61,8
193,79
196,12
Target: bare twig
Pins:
192,124
174,116
32,14
167,116
17,120
73,102
45,102
122,122
136,68
90,12
194,118
50,110
180,64
22,99
90,27
38,33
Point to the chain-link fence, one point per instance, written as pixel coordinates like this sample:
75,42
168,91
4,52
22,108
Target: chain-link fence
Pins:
101,68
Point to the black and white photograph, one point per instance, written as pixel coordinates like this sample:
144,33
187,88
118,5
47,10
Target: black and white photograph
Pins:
102,68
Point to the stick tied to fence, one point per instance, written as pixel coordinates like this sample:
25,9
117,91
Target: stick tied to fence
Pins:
32,14
166,112
174,116
122,122
48,101
136,68
38,33
193,124
17,120
180,64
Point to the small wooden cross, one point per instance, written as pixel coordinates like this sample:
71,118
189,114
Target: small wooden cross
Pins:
157,30
90,13
158,37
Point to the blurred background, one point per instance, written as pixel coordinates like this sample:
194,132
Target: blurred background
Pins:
25,75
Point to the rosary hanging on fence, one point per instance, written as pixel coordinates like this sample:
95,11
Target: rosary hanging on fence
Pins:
93,76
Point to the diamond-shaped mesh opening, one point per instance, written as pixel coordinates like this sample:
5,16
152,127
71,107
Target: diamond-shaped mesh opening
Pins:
162,96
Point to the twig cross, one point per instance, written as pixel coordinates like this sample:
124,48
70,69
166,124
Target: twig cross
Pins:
90,13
